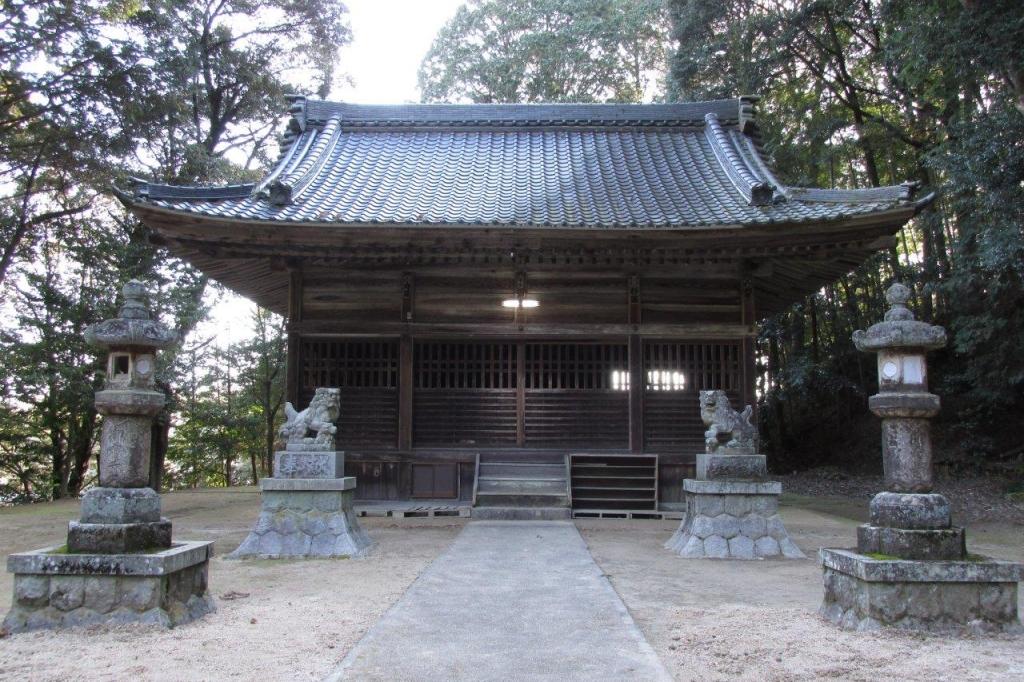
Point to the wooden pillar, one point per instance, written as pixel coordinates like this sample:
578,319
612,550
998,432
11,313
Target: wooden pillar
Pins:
636,394
405,364
405,388
520,394
747,346
293,378
636,369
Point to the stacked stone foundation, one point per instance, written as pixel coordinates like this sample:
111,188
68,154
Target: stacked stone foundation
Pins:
732,512
732,520
56,589
306,518
955,597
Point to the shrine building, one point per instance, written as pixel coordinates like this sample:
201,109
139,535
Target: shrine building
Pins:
520,303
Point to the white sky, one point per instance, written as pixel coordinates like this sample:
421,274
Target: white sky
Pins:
389,40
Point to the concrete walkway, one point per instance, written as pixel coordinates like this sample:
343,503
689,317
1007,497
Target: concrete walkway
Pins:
509,600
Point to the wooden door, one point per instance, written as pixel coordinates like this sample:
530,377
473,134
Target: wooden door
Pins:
576,395
674,374
464,394
366,372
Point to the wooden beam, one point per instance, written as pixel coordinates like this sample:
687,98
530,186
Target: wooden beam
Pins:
494,330
408,297
747,344
293,377
636,394
635,305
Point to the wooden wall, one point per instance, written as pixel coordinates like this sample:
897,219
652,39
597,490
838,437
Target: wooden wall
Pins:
433,369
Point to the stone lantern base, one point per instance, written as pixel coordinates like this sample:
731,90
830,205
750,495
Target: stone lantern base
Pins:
865,593
730,518
57,589
306,518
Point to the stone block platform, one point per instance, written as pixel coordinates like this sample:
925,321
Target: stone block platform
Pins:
974,596
56,589
730,519
305,518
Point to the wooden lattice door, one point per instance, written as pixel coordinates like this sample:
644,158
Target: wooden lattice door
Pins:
576,395
464,394
674,373
366,371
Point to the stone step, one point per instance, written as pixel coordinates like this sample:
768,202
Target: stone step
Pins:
505,499
522,513
522,469
521,485
525,457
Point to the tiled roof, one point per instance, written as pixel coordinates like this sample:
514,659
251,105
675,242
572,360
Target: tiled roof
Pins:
593,165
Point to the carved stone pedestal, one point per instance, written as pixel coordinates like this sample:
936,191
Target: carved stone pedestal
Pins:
307,510
732,510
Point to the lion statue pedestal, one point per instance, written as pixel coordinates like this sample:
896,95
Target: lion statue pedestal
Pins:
307,507
732,509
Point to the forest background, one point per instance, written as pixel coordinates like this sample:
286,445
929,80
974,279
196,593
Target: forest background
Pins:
857,93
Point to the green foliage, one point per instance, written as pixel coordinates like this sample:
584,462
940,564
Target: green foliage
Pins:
92,92
228,405
546,51
871,93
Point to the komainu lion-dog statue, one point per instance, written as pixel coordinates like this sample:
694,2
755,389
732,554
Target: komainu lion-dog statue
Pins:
728,430
317,419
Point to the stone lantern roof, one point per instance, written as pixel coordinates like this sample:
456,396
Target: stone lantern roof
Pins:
900,329
133,326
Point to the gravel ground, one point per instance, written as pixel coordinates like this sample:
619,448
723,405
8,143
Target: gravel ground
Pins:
757,620
972,499
706,619
275,620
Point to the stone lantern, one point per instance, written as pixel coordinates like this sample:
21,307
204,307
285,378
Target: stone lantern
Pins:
119,564
911,568
123,513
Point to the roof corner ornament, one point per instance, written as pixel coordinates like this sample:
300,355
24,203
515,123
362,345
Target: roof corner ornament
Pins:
748,113
297,110
279,193
910,187
762,194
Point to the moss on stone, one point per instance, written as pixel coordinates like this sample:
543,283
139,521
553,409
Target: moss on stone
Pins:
878,556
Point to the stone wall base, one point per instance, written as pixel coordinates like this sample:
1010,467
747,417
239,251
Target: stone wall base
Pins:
862,593
305,522
732,520
53,591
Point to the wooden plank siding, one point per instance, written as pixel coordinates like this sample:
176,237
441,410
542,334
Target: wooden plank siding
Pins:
430,361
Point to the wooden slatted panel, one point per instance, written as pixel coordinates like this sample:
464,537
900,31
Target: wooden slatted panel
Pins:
576,395
375,480
674,374
366,372
464,394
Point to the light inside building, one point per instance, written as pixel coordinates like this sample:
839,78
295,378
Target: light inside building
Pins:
665,380
520,303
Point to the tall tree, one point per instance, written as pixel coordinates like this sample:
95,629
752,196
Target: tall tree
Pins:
95,91
547,51
876,92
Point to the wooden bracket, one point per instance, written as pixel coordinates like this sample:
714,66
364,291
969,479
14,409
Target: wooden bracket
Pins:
635,310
